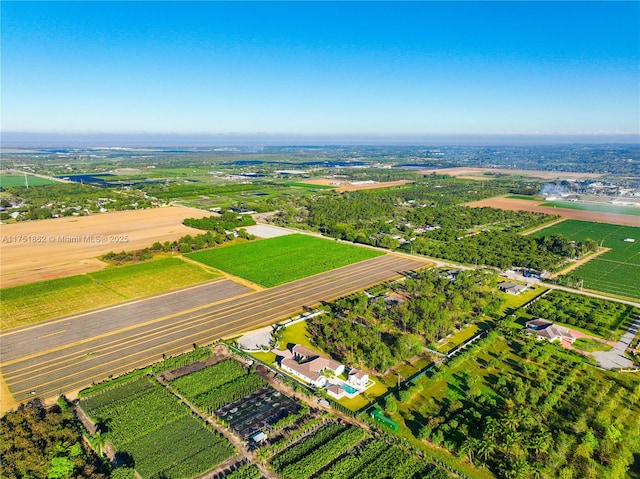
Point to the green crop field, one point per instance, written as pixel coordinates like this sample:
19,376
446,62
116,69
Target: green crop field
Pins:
275,261
160,434
53,298
572,205
7,181
616,271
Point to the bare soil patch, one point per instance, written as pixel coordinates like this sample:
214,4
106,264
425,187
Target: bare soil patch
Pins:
580,262
527,205
46,249
481,173
7,401
345,185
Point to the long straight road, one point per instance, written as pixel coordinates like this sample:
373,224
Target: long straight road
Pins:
63,356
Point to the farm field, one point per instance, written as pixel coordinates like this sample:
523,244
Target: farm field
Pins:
602,208
614,272
506,203
46,249
160,435
30,303
279,260
9,180
89,347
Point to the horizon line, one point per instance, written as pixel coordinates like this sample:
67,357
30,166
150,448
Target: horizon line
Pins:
16,139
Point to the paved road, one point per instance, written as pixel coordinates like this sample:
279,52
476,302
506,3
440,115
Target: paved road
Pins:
49,362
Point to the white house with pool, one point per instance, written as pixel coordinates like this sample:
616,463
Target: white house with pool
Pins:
319,371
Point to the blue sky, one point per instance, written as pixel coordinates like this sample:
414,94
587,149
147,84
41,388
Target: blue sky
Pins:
315,68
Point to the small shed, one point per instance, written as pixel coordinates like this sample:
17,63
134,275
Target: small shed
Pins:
258,437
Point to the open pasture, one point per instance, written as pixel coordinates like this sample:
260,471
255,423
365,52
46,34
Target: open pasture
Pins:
283,259
46,249
614,272
29,303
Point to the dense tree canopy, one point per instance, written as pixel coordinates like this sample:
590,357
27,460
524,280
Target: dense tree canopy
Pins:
36,442
379,332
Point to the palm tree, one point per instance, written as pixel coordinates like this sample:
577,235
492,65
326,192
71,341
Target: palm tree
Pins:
470,446
485,449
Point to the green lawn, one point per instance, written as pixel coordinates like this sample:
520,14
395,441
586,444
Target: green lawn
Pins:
614,272
514,301
295,334
275,261
30,303
458,338
8,180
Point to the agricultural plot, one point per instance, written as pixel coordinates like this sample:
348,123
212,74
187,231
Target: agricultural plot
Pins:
216,386
614,272
279,260
242,400
601,208
260,409
343,451
54,298
159,434
8,181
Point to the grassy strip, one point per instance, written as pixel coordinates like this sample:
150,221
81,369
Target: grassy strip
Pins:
30,303
275,261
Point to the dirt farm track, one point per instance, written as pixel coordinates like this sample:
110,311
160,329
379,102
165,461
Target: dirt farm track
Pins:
45,249
68,354
526,205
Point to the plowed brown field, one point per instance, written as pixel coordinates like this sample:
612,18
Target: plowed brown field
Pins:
38,250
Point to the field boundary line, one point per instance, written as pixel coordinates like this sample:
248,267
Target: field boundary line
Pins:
582,261
544,226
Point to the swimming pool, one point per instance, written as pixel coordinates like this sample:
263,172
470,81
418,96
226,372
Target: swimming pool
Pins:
349,389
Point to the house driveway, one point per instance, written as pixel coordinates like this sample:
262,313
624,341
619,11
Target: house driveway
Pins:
615,357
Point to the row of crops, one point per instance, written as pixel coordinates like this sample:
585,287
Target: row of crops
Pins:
339,451
218,385
157,434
